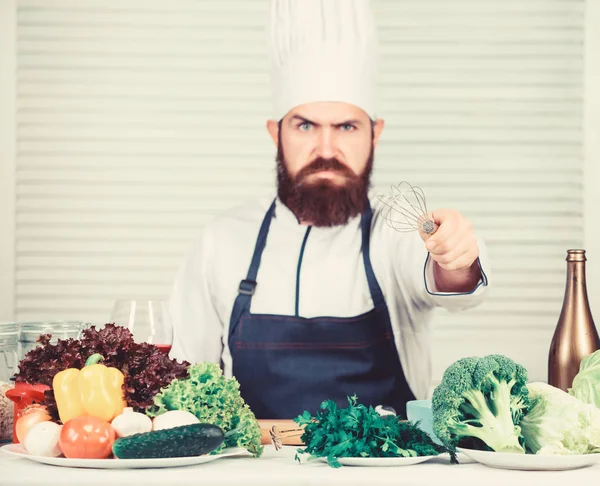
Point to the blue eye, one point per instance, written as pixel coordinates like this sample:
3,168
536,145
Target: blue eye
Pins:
347,127
305,126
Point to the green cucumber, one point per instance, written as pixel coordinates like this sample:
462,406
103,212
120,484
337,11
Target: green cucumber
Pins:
182,441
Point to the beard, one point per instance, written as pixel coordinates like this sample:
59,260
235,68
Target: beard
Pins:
323,202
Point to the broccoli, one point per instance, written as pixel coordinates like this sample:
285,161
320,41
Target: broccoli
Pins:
479,404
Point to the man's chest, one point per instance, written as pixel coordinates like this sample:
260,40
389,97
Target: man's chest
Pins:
320,274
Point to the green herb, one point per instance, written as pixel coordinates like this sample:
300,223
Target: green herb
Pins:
360,431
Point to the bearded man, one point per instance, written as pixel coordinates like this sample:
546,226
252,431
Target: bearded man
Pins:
307,294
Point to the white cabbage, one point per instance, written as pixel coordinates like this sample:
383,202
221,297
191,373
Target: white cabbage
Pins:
586,385
559,423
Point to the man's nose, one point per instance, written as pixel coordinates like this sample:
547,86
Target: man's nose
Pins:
326,144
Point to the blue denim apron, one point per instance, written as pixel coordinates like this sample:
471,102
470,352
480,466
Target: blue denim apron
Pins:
288,364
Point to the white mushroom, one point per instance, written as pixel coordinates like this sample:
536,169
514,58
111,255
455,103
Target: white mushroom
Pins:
130,423
42,440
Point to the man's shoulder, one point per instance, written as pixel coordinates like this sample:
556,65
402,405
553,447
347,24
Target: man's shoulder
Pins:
238,218
375,202
381,211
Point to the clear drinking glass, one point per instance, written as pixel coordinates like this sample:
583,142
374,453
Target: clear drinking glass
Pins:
148,320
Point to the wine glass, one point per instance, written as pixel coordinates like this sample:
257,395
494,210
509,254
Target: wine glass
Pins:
148,320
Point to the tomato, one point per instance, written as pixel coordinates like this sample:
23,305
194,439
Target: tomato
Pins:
87,438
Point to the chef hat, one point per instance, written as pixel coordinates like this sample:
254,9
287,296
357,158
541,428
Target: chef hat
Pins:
322,50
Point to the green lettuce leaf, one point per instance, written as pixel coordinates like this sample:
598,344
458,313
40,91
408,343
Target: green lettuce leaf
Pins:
214,399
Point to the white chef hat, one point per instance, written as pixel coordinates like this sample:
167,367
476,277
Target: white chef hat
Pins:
322,50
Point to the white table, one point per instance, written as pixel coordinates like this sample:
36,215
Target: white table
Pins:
279,467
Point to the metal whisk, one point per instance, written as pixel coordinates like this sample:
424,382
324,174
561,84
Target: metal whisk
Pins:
406,209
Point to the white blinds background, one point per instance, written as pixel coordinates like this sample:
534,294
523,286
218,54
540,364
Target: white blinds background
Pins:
138,120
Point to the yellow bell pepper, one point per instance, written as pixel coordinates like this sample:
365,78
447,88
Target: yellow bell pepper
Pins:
95,390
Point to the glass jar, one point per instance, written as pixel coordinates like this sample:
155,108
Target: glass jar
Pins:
31,331
9,352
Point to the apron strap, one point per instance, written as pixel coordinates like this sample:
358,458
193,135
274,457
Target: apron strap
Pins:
365,224
248,286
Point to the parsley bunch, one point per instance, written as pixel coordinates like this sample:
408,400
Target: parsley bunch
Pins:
360,431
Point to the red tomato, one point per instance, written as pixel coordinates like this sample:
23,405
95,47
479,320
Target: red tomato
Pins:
87,438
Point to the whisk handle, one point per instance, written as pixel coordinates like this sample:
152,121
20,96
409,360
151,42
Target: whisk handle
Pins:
429,227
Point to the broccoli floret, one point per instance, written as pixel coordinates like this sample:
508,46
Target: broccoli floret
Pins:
479,404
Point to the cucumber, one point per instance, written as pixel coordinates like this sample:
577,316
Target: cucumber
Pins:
182,441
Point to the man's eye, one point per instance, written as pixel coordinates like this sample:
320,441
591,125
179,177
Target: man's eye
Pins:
305,126
347,127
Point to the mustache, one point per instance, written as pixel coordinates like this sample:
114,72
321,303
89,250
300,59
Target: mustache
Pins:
322,164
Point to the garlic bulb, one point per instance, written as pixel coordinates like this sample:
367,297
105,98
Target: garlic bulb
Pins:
130,422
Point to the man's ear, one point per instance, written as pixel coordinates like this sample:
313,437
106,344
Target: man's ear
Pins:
273,128
377,129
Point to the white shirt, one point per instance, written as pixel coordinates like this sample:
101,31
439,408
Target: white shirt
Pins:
332,282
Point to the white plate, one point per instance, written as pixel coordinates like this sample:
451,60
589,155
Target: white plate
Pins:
531,462
380,461
17,450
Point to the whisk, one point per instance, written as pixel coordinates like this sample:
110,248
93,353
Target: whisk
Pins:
406,209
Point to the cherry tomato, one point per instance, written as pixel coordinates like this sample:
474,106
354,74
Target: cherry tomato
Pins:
87,438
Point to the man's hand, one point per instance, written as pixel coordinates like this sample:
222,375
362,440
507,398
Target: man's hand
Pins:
453,248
